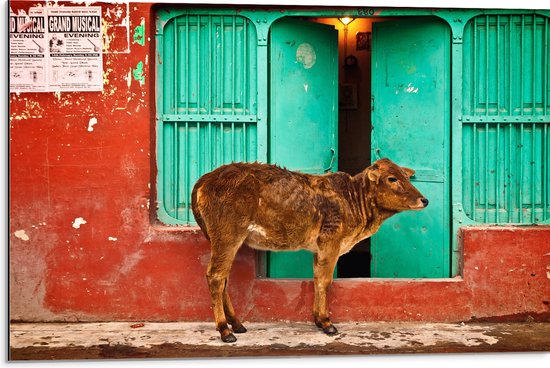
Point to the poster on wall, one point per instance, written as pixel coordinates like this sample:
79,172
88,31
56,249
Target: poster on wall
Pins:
56,49
28,54
74,42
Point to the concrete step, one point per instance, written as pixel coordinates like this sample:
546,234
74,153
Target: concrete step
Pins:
39,341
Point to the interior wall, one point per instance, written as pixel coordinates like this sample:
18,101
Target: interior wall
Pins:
354,124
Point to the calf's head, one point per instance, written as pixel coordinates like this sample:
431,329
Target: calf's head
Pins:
392,188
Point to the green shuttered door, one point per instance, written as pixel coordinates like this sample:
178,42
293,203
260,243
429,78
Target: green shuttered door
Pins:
506,119
207,103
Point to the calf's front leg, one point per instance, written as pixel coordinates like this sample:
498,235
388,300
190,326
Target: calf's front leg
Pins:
323,269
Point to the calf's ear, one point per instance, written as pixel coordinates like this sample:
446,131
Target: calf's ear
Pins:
373,173
408,172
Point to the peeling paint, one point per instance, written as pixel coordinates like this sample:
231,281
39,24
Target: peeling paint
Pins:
139,33
138,73
115,26
411,88
91,123
106,38
32,110
111,238
21,234
78,221
305,55
129,78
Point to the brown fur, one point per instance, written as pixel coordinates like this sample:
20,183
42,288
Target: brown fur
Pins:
271,208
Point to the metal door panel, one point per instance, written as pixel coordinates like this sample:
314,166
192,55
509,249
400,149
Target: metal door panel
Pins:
411,116
303,115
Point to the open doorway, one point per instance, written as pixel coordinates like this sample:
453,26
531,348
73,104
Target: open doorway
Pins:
320,85
393,102
354,117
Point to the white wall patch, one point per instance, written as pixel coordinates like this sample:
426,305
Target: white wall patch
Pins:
21,234
91,123
78,221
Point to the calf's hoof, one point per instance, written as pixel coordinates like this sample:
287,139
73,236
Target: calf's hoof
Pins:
229,338
330,330
239,329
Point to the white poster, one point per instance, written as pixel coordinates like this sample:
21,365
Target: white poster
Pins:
56,49
28,54
74,42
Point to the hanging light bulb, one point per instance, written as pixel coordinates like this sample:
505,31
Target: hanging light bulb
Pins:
346,20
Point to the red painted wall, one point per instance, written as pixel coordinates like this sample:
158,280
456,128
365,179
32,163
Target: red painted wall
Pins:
122,265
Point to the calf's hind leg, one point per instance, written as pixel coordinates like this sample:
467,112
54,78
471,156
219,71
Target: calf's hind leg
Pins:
235,323
223,254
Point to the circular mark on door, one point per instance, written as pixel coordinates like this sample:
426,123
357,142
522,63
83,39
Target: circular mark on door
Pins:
305,55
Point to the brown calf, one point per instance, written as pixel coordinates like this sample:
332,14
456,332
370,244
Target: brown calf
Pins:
271,208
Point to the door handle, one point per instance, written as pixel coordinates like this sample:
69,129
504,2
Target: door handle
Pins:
331,160
377,153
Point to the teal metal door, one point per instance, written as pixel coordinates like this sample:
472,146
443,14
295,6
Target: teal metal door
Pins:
411,118
303,113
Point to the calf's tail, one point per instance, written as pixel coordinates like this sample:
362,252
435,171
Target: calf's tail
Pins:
196,210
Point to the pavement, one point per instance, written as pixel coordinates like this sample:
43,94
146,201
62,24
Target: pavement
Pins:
128,340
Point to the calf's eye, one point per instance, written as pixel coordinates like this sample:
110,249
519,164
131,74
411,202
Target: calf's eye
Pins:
391,179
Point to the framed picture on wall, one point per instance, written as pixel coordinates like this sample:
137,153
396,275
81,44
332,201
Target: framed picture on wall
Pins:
347,96
363,41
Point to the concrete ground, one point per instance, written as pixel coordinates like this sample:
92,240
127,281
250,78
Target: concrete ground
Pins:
42,341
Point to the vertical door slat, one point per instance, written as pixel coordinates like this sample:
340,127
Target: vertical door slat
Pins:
245,67
474,65
198,52
533,170
497,175
209,51
222,87
487,57
475,187
522,66
233,66
498,70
